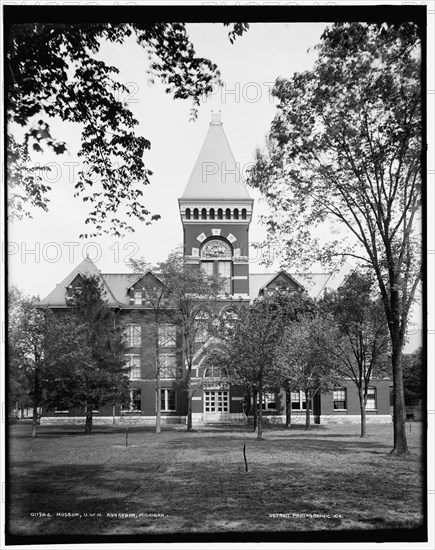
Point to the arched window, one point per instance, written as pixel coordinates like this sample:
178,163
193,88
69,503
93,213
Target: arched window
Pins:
220,214
236,213
187,213
203,214
228,214
195,214
211,213
244,214
216,255
215,372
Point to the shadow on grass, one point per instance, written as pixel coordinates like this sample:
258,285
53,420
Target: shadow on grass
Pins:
47,432
207,490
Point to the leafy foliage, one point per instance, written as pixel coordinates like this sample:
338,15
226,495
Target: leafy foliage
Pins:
97,377
40,347
413,379
345,146
304,357
361,340
53,71
189,299
248,343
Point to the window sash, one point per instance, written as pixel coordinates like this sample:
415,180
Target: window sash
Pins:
224,272
269,402
371,399
298,402
134,335
208,268
137,297
135,367
136,400
167,400
168,364
339,398
167,335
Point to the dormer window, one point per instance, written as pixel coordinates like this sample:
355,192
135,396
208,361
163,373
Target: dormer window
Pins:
75,286
138,297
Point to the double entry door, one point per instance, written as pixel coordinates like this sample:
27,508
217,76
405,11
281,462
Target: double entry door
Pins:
216,405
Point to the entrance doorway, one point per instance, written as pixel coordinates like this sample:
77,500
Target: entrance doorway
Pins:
216,405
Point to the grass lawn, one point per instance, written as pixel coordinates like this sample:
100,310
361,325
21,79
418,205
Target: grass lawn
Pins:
196,482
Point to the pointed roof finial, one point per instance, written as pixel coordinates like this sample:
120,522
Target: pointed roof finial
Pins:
216,118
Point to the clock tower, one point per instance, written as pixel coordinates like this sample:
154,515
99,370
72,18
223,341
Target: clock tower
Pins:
216,211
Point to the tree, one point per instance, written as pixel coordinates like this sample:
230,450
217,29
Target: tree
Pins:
190,296
53,72
413,377
155,298
304,357
98,378
25,354
247,348
37,344
361,342
345,146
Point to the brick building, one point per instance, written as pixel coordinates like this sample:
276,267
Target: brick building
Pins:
216,211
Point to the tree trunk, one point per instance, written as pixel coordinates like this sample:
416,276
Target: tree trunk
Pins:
362,406
189,400
36,390
114,414
288,409
260,411
88,423
400,443
254,408
158,403
158,386
35,416
307,411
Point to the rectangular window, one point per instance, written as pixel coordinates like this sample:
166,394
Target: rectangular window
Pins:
371,399
298,401
136,400
340,398
135,366
167,397
133,334
208,268
138,297
269,402
168,365
224,272
167,335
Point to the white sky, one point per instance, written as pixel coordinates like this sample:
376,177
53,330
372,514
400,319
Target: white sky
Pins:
248,67
43,250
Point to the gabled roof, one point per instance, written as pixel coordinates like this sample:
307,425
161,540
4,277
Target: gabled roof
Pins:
216,174
86,267
117,285
139,277
285,275
313,283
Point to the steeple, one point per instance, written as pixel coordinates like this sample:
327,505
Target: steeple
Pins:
216,174
216,211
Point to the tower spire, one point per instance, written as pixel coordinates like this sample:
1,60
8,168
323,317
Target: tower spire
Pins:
216,118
